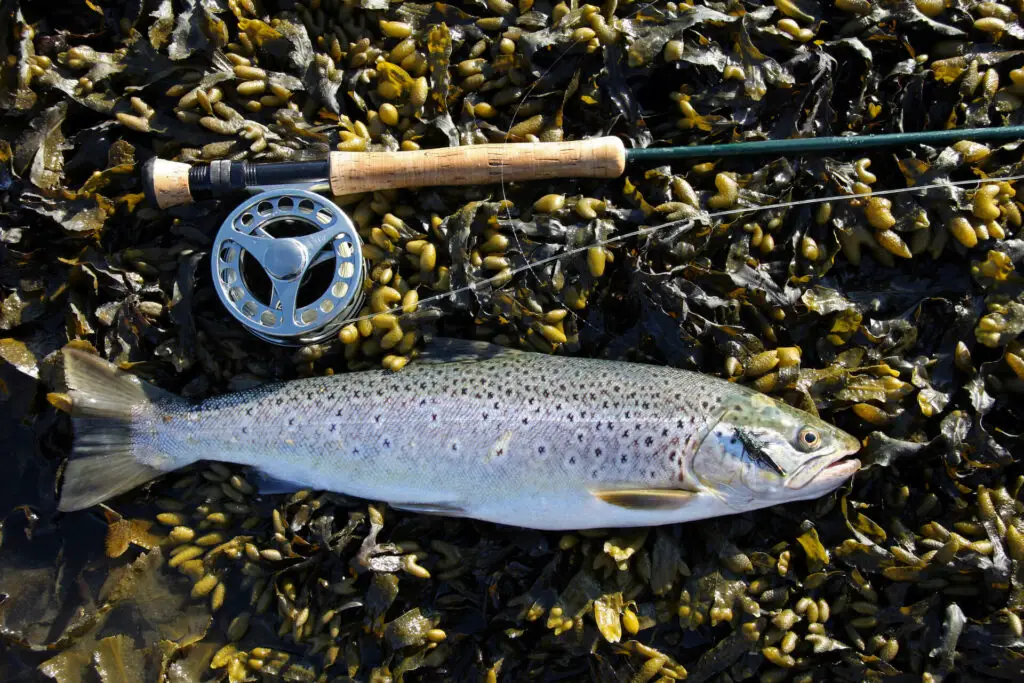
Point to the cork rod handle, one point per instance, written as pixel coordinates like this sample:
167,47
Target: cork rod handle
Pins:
353,172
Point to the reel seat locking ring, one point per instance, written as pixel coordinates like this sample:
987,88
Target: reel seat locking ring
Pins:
288,234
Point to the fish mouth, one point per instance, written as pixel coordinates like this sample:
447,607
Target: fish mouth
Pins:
828,470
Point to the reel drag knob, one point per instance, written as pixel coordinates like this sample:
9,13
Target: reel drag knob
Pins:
288,265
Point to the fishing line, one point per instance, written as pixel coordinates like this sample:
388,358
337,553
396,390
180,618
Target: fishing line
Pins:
647,230
508,213
786,146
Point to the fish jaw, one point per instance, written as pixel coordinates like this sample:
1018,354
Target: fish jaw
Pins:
825,480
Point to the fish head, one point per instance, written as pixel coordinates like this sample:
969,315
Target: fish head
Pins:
764,450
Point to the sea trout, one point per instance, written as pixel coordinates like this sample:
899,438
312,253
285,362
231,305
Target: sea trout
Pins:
517,438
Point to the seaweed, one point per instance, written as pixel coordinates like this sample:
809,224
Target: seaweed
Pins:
898,317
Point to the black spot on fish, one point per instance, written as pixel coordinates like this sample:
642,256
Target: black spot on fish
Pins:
291,421
541,450
387,443
623,458
572,460
648,441
628,414
664,432
597,452
376,418
334,428
526,420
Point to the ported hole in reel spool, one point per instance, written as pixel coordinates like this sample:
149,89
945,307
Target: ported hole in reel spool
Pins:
315,281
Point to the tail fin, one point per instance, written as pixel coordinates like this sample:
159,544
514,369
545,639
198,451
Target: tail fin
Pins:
105,402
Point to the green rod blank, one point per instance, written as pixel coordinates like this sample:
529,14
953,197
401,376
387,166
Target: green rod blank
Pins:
838,143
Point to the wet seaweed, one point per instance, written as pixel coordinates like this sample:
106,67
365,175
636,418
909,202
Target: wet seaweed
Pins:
898,317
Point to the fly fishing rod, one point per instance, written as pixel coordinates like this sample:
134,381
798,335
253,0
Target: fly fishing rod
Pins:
289,230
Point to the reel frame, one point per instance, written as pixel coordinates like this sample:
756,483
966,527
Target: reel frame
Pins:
287,262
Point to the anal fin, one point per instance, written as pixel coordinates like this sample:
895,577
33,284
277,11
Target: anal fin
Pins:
646,499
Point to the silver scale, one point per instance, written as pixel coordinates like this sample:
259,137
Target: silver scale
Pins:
311,260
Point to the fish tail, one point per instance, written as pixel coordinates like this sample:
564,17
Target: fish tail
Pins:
107,458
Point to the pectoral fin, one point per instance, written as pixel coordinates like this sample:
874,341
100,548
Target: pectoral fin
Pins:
646,499
443,509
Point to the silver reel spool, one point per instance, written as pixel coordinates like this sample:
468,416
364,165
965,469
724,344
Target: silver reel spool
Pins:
288,265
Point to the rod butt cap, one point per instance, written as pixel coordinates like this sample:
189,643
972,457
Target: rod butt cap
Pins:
165,183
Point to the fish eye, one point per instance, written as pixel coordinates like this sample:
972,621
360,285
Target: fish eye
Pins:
808,439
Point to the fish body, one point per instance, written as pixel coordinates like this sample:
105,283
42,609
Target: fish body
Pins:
531,440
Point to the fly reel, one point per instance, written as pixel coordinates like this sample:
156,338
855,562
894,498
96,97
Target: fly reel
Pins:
288,265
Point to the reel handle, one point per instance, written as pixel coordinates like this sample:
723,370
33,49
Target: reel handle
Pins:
172,183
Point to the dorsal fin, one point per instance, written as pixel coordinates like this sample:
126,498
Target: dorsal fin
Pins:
450,350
